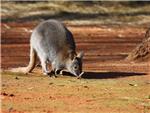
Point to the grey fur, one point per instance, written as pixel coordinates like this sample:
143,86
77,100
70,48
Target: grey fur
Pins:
54,44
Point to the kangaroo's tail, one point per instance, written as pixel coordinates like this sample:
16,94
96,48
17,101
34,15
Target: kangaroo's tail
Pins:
31,64
32,61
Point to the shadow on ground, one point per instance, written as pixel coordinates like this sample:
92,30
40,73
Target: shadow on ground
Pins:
107,75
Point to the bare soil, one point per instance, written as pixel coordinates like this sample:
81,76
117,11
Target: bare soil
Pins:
117,92
110,83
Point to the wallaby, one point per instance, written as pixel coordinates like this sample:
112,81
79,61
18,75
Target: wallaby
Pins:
53,43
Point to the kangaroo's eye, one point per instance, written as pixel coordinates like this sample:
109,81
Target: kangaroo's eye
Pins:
75,67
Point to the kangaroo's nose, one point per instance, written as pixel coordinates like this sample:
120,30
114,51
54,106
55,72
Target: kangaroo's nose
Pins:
80,75
77,73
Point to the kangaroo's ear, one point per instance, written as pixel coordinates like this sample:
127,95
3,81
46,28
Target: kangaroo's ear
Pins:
72,55
80,55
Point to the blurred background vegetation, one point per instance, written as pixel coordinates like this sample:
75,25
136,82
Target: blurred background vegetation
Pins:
79,12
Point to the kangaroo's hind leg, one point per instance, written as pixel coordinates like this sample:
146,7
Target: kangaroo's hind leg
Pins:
44,65
55,69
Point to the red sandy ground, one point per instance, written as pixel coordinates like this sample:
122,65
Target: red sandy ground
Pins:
110,84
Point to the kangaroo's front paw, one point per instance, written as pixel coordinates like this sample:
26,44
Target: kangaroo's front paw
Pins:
61,72
57,72
49,73
45,73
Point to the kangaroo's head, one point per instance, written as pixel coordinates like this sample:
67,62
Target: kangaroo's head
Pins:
74,64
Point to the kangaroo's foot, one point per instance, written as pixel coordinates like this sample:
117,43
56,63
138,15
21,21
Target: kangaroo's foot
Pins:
57,72
49,73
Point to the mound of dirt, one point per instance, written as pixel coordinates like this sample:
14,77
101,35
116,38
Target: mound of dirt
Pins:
142,51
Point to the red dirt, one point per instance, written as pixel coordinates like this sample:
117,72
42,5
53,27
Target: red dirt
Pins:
110,82
101,44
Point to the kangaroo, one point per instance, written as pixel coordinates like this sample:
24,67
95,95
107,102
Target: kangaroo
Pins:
53,43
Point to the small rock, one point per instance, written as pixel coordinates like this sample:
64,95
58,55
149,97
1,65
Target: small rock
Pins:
51,83
11,95
89,100
16,78
86,87
133,84
4,94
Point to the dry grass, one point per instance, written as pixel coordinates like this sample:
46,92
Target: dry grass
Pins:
76,12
